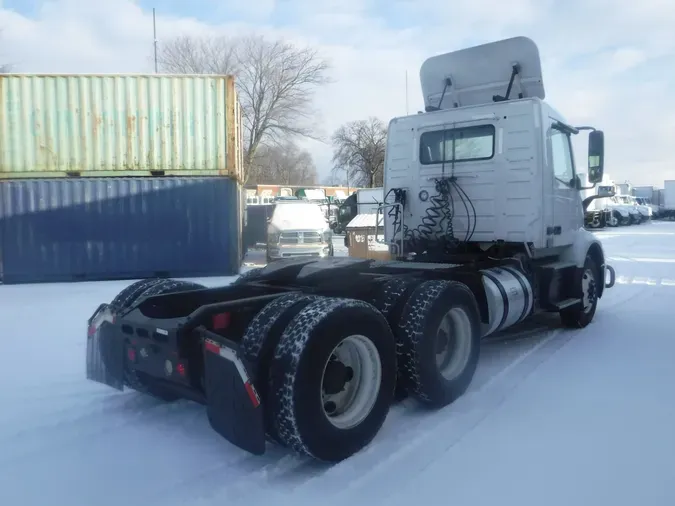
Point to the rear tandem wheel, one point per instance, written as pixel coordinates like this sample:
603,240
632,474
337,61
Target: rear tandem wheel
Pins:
438,339
390,300
260,341
332,378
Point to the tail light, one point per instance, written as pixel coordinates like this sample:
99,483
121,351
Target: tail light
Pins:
220,321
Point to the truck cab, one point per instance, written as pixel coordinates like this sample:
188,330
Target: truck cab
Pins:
479,169
345,213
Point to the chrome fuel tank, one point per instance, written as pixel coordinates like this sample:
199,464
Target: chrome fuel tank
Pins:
509,295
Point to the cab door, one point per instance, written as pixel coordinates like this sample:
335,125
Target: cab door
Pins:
567,212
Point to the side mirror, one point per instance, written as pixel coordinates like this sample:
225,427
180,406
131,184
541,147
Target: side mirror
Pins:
596,156
605,191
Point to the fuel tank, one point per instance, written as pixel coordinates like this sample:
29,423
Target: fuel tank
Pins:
510,298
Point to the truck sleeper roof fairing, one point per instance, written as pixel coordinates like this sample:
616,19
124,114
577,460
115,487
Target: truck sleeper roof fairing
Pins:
506,69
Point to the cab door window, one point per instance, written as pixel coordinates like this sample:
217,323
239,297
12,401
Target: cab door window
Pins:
561,155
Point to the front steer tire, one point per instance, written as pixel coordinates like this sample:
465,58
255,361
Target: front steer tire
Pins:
586,280
297,372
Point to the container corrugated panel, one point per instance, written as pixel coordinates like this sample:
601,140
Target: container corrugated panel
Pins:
119,228
119,125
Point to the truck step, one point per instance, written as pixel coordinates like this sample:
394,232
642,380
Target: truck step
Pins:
566,303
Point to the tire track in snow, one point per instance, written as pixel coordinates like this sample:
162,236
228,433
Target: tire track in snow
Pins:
111,402
233,482
38,392
58,400
51,434
125,410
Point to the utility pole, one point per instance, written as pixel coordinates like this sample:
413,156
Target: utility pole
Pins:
154,34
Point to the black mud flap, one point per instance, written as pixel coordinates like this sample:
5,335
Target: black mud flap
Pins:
233,404
105,350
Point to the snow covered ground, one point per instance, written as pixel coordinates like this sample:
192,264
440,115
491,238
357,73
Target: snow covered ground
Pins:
552,418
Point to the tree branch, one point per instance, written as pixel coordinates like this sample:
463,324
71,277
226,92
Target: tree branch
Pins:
359,150
276,82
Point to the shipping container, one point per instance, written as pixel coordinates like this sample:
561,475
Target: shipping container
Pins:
119,125
119,228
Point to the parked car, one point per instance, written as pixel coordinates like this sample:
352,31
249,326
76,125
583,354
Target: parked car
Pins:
298,228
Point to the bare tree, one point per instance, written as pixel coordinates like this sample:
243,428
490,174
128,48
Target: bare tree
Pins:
276,81
284,163
334,179
198,55
358,150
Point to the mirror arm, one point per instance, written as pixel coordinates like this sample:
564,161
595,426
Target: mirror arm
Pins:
580,128
587,201
566,128
588,187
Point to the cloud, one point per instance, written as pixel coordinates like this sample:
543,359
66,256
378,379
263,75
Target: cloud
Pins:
607,63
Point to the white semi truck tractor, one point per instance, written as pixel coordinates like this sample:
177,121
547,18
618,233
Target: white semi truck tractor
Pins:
485,224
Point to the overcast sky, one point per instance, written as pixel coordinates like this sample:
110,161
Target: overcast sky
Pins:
609,64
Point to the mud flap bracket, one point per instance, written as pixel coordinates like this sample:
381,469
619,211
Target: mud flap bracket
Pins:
233,405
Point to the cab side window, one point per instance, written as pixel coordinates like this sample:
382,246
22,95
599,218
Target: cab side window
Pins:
561,157
466,144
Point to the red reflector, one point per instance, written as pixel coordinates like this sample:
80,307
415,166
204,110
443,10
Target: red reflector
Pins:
255,400
212,347
220,321
180,368
131,353
92,330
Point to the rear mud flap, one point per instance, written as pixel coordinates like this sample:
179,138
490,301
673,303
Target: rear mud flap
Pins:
233,405
105,354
